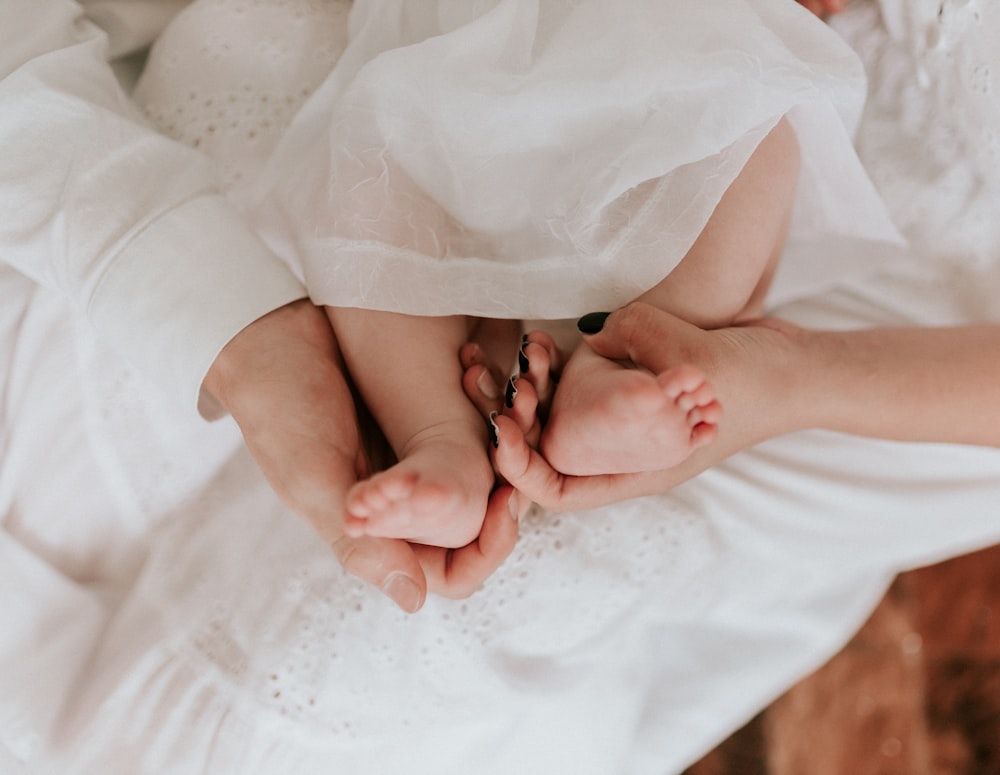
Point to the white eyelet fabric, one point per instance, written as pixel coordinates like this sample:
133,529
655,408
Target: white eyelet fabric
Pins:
164,613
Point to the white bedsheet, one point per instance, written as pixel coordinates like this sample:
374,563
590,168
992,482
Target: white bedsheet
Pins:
164,613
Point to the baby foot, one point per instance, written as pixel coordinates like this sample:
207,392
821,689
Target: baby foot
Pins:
436,494
607,418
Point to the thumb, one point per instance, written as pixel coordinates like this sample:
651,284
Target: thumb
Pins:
389,564
635,333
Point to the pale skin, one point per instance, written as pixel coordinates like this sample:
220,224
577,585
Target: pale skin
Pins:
437,491
282,379
903,384
408,373
611,418
824,7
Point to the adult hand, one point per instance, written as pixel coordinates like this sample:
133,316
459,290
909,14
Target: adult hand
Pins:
824,8
517,412
750,366
282,380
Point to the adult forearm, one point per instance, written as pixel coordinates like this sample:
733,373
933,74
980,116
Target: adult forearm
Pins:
937,385
907,384
773,378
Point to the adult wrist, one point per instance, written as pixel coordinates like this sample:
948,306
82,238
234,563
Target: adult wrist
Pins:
250,351
181,288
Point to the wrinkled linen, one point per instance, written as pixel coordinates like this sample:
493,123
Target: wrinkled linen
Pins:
507,159
164,612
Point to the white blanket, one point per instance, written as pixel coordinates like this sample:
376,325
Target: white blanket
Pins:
164,613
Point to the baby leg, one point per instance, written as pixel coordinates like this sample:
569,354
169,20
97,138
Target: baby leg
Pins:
726,273
407,371
611,418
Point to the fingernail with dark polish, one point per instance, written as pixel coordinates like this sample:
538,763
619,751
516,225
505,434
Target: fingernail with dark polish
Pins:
592,322
494,431
511,393
522,360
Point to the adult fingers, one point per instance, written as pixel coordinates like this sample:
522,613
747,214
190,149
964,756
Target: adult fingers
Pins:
388,564
481,389
532,476
637,333
833,6
521,405
457,573
496,344
540,362
282,380
823,7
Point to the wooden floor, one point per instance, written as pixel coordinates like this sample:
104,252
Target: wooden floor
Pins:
916,692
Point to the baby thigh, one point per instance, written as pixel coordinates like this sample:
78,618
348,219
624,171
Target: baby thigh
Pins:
726,273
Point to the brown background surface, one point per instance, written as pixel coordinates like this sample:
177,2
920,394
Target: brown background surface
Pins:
916,692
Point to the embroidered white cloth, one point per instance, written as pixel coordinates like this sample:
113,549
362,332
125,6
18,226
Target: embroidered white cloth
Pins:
165,614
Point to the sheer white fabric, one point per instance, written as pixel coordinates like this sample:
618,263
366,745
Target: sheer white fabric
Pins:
504,158
164,613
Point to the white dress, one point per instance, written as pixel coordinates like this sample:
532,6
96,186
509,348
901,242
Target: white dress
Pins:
516,158
163,613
